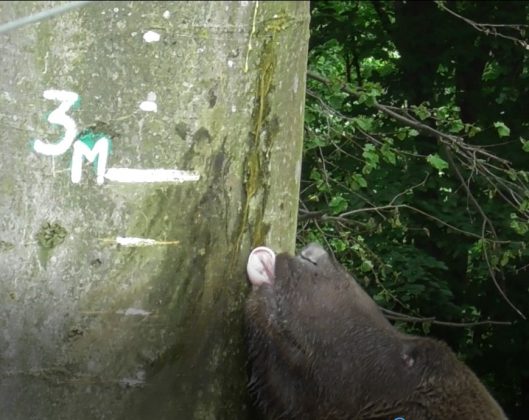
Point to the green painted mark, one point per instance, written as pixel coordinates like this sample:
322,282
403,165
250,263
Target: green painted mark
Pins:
77,104
90,138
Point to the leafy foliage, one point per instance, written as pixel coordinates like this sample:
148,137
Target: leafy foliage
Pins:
416,170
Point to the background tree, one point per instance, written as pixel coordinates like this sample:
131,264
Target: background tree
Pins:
121,288
416,170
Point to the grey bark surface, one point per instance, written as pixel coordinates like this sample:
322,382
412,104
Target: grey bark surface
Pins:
92,326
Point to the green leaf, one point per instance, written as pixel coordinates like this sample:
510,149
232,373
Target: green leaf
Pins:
505,258
437,162
339,245
367,265
401,134
338,204
358,181
370,154
503,130
519,227
371,158
525,144
388,154
472,130
312,142
422,112
365,123
456,126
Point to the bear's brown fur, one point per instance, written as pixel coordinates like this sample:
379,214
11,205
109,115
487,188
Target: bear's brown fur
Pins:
320,348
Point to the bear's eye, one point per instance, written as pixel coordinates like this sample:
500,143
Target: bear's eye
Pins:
308,258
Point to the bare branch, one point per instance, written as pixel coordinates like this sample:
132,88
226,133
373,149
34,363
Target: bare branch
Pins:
470,196
495,281
396,316
490,29
486,164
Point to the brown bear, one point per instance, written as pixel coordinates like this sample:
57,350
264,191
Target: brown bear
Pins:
320,348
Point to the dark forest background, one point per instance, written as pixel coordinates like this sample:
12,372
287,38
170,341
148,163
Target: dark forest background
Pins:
416,170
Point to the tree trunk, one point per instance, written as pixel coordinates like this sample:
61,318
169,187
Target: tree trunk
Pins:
147,146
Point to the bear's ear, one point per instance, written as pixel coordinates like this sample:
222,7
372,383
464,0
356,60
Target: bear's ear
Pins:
409,354
261,266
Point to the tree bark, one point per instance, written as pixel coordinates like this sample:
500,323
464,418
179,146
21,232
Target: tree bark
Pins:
121,289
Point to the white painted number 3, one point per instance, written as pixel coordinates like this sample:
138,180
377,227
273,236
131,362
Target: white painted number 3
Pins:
58,116
80,150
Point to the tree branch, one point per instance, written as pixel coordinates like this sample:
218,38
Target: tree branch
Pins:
490,28
396,316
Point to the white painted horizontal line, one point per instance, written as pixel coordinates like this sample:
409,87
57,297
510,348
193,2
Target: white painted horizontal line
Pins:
135,241
131,241
132,382
133,312
150,175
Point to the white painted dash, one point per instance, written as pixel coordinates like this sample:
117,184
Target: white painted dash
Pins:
150,175
132,382
151,36
149,106
133,312
135,241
